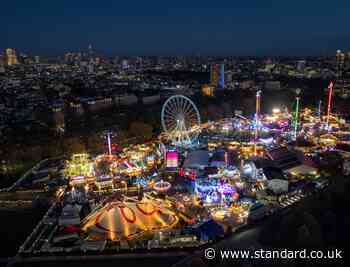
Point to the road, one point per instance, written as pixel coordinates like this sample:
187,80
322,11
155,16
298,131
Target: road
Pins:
244,239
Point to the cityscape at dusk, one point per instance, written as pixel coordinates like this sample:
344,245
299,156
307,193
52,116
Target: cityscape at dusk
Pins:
231,28
183,133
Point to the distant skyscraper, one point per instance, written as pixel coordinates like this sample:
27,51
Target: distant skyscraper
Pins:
10,56
217,75
228,77
207,90
214,74
222,76
68,57
340,63
2,64
301,65
98,60
91,68
91,52
2,60
125,64
37,59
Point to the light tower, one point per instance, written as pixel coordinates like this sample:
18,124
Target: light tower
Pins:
11,57
257,119
330,93
222,76
297,91
339,61
108,135
319,110
109,143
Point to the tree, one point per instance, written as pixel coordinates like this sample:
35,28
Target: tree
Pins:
303,236
215,112
141,129
104,167
285,235
227,108
314,229
331,162
94,143
73,145
35,153
248,105
197,262
120,137
54,148
329,224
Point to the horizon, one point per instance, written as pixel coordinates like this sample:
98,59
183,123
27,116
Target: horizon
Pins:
110,55
183,28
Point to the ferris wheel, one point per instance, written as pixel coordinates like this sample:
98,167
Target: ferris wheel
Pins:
180,120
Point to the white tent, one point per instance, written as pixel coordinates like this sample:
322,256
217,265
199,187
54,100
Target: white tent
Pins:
302,170
278,186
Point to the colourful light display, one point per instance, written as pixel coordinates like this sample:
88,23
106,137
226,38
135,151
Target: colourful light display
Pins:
296,113
330,92
109,144
296,117
319,109
257,119
162,186
172,159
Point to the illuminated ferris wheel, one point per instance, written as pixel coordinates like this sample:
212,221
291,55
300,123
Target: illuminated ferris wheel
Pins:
180,120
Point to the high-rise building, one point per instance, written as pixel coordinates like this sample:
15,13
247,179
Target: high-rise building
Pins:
98,60
217,75
207,90
301,65
125,64
91,52
2,60
58,117
214,74
222,76
67,57
2,64
228,76
340,63
10,57
90,68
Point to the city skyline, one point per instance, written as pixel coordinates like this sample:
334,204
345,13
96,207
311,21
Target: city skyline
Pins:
182,28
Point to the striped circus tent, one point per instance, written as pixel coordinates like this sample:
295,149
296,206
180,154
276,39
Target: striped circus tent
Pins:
125,220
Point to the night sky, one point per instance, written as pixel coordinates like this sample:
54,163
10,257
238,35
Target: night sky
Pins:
175,27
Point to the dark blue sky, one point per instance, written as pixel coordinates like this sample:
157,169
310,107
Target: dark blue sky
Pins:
218,27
